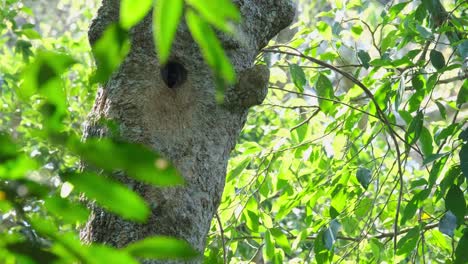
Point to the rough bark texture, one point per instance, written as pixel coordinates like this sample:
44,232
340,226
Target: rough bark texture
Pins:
184,123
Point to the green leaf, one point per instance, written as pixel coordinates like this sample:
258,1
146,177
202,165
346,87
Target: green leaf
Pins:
364,177
437,59
166,17
464,160
66,210
161,247
455,202
105,254
442,110
461,253
365,58
418,82
217,12
137,160
331,233
32,251
414,129
133,11
281,239
464,135
325,90
462,96
408,242
448,224
211,48
110,194
298,76
110,50
426,142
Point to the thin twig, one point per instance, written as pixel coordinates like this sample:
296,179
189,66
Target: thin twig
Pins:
221,230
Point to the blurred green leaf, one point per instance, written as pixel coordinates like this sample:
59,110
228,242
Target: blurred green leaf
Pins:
110,50
110,194
212,49
365,58
161,247
66,210
133,11
216,12
137,160
166,18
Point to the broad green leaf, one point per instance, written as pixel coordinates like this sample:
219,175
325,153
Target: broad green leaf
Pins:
448,224
414,129
437,59
137,160
464,159
364,177
133,11
442,110
66,210
455,202
166,18
211,49
281,239
331,233
298,76
461,253
219,13
110,194
32,251
408,242
395,10
269,245
161,247
418,82
426,142
463,135
462,96
365,58
325,90
47,68
105,254
110,50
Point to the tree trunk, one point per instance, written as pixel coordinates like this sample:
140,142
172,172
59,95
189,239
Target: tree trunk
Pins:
183,123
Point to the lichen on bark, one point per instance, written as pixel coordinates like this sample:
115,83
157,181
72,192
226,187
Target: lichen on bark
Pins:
185,124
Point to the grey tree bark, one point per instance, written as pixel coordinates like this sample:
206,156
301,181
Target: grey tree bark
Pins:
184,123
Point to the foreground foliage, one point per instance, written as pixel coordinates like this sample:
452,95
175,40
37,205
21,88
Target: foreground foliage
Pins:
359,153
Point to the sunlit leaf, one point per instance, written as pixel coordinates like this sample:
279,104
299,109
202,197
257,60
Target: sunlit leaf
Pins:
211,48
325,90
161,247
167,14
133,11
217,12
110,194
110,50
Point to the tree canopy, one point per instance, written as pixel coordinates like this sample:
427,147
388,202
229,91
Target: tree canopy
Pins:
359,153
